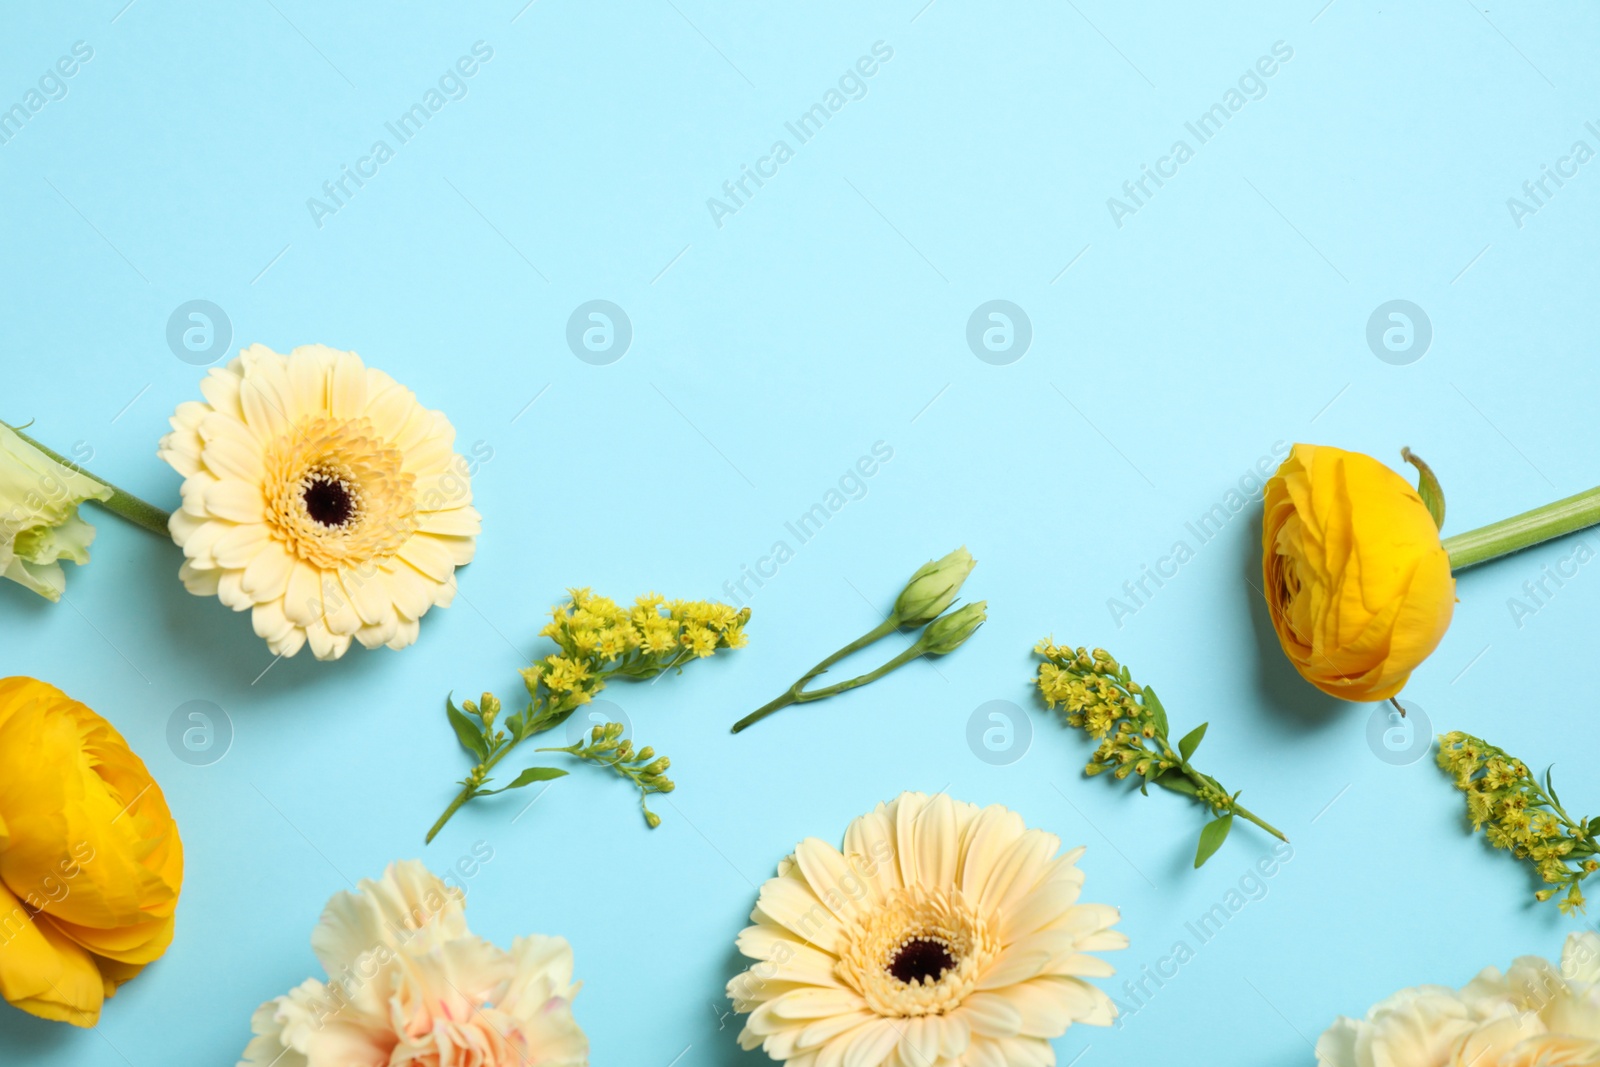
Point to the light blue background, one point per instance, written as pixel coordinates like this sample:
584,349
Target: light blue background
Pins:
768,354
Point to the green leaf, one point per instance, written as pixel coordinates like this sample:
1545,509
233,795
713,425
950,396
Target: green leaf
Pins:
1428,487
1211,838
1549,784
470,736
1176,781
1191,741
528,777
1157,712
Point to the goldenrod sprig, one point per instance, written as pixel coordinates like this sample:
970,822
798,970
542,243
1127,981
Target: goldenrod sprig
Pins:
1098,695
597,641
1515,813
643,768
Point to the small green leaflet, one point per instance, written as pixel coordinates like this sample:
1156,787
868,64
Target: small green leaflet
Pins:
1549,784
1158,712
470,736
527,777
1191,741
1211,838
1428,487
1177,782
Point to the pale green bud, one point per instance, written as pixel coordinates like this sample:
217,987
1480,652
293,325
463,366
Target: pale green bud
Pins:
946,633
39,524
933,588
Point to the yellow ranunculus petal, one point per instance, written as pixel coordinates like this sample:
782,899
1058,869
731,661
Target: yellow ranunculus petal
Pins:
90,860
44,973
1356,579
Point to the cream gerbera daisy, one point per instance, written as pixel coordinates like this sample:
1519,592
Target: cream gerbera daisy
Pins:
944,934
322,497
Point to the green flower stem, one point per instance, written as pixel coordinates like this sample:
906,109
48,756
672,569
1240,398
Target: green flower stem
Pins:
123,503
794,694
1213,793
871,676
479,774
1523,531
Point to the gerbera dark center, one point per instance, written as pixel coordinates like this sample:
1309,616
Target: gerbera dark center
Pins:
921,959
328,501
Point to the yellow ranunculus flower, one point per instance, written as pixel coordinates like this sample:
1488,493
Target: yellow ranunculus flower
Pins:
90,861
1357,581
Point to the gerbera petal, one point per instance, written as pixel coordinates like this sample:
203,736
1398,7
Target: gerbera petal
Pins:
1017,871
430,556
303,601
266,574
869,844
938,842
198,581
790,903
1048,1006
238,546
368,592
347,387
324,643
873,1043
265,408
308,382
409,590
991,1015
220,387
235,501
830,877
996,830
405,634
825,1030
462,522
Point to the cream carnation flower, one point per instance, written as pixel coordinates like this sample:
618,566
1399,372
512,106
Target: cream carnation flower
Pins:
1534,1015
410,986
321,497
944,934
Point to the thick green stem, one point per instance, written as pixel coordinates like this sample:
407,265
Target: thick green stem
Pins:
793,694
1523,531
468,791
871,676
1247,814
122,502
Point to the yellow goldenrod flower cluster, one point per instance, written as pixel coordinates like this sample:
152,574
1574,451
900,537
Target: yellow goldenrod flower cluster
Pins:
597,640
1516,814
1098,695
595,632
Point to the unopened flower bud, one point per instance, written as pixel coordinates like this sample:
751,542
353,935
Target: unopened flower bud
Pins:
933,588
946,633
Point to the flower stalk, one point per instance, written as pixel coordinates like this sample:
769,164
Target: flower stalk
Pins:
1523,531
923,602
